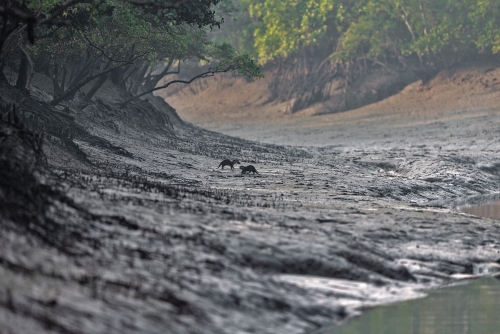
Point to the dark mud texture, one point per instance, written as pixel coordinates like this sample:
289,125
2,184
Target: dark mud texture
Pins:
123,224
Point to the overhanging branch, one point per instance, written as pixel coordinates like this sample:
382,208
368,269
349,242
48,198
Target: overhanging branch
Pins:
210,73
75,88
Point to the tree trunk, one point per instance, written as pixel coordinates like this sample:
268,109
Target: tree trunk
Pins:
71,91
2,75
76,76
139,79
22,76
151,80
79,74
116,77
63,79
88,97
128,76
55,82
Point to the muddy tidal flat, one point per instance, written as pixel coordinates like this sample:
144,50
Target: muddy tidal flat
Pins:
147,235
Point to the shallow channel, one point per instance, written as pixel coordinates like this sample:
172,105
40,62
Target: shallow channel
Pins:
491,210
464,309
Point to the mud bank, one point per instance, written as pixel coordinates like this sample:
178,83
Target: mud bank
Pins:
140,233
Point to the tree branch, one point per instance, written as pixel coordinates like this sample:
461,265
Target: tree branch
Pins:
210,73
32,66
158,4
56,100
130,73
59,10
73,89
103,52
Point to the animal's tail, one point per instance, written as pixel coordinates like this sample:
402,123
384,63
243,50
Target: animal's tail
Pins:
219,165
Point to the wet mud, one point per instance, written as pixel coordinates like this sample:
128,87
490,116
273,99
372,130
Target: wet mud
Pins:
131,228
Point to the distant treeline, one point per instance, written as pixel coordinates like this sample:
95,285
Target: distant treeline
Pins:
428,31
311,42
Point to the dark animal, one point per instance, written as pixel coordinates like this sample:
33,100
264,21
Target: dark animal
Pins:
248,169
228,162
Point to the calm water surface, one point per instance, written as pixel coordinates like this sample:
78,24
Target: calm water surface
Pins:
465,309
491,210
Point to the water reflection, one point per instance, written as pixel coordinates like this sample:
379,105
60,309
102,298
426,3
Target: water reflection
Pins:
491,210
467,202
465,309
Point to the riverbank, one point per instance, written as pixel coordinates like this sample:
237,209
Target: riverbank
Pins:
146,235
454,103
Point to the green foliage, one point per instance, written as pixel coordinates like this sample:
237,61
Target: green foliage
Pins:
118,29
281,27
485,21
230,59
120,39
158,29
237,29
428,30
196,13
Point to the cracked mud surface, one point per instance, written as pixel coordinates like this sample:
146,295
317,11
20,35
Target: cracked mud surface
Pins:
153,238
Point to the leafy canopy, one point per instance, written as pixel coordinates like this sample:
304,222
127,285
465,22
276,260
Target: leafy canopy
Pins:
425,29
283,26
118,29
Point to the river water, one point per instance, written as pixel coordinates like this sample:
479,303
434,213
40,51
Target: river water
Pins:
463,309
491,210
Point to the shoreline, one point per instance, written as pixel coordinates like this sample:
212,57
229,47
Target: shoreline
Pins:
148,236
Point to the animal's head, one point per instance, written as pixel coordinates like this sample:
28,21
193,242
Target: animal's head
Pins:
242,167
236,161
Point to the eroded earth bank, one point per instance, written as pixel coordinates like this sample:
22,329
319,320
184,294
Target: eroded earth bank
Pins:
129,227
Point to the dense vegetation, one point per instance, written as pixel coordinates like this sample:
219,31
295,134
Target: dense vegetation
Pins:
133,43
309,43
430,30
345,38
